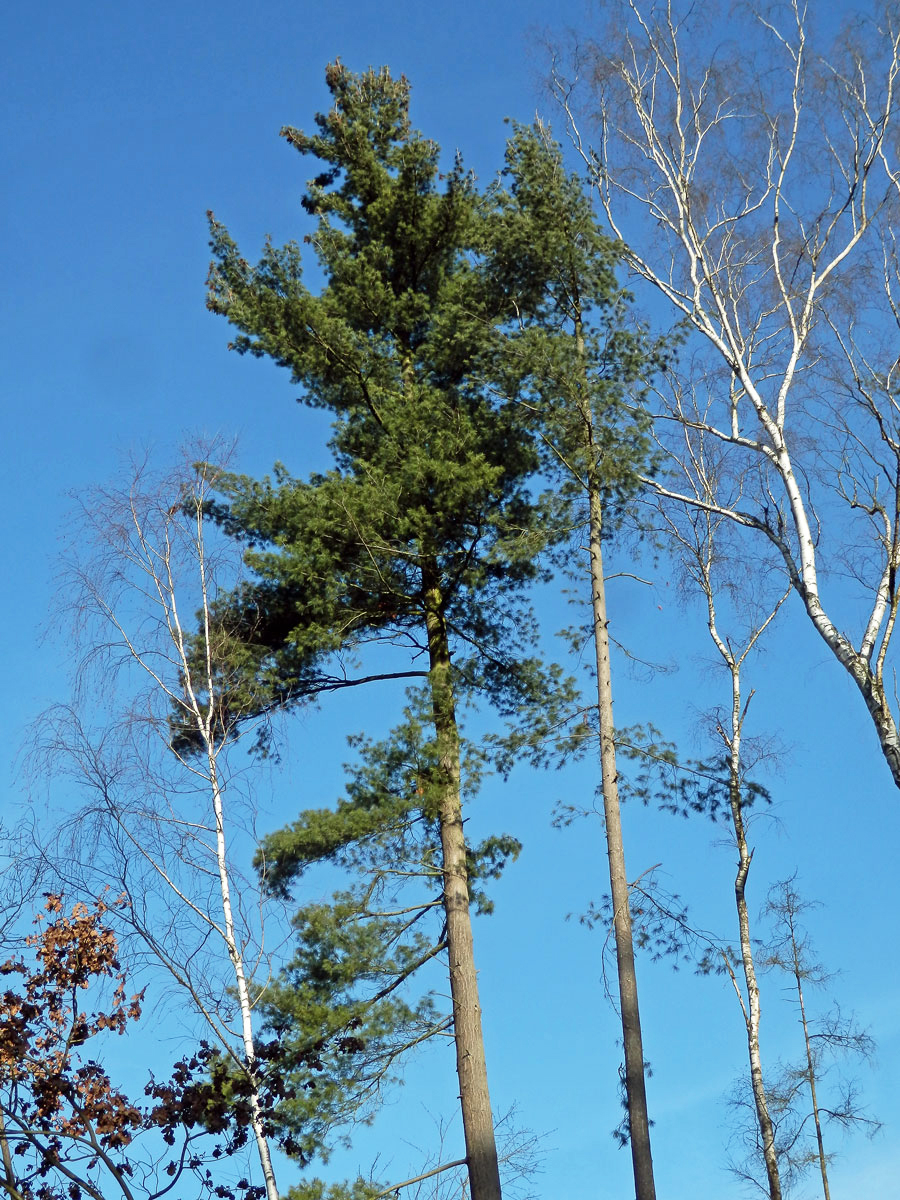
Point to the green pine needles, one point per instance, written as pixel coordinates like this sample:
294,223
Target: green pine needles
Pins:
439,344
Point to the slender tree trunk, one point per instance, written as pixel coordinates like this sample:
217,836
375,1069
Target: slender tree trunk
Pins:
635,1084
810,1066
752,1011
475,1102
10,1187
207,723
240,979
635,1080
751,1006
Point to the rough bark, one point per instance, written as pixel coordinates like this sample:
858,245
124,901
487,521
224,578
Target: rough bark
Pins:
471,1067
635,1084
626,973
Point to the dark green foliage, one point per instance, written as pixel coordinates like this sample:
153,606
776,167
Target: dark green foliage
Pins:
387,815
582,360
438,332
428,515
340,988
315,1189
682,787
354,956
442,342
405,345
410,345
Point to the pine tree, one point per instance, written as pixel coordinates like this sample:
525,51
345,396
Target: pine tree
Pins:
425,533
358,956
583,370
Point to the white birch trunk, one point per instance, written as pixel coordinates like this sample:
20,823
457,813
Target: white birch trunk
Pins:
755,255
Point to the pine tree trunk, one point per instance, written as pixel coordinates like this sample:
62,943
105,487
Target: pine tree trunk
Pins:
475,1102
635,1081
635,1085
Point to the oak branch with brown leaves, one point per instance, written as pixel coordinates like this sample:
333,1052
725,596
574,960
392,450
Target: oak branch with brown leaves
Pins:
67,1129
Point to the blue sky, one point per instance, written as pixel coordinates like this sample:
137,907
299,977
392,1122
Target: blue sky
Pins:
124,123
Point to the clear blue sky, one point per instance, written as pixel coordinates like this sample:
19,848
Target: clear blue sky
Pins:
123,124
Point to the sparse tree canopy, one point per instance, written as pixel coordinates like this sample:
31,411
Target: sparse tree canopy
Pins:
68,1131
760,203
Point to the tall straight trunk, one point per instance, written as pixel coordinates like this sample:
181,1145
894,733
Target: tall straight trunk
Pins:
635,1083
206,723
474,1098
632,1039
752,1010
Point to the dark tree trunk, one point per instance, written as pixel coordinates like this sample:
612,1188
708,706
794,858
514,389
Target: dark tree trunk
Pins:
635,1084
475,1102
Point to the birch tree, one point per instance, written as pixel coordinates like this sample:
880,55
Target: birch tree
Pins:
157,739
806,1102
754,180
704,546
164,814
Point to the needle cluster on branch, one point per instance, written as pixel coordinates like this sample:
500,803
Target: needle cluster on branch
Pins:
453,342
